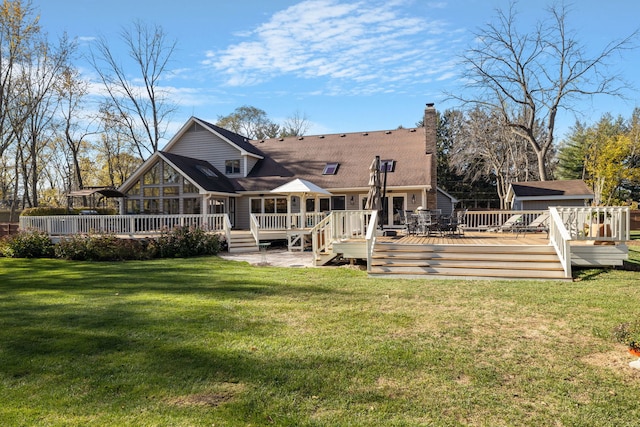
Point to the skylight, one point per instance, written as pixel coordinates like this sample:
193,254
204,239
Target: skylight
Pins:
330,169
388,165
205,170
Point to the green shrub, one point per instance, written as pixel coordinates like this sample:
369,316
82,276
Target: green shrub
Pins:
28,244
51,211
187,241
104,247
45,211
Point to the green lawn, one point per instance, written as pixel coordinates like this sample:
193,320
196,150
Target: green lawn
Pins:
205,341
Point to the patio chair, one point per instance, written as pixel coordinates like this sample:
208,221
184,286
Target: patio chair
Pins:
407,220
424,222
448,225
511,224
461,217
539,224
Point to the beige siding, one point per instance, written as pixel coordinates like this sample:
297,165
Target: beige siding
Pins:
204,145
242,213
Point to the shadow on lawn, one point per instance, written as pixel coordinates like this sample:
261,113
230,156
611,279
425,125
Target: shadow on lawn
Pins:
74,327
207,275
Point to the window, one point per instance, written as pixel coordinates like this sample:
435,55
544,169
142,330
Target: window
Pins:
153,175
171,190
269,205
256,206
135,190
388,165
192,206
188,187
310,205
231,166
171,206
170,175
330,169
151,206
338,203
151,191
133,206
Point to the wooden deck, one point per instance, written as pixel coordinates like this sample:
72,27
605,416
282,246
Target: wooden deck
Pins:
471,238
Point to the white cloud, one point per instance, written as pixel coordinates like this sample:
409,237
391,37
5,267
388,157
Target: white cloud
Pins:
361,46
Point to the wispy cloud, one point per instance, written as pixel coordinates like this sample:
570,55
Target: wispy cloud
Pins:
359,46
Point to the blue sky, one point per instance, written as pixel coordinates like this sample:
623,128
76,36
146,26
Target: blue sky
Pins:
348,65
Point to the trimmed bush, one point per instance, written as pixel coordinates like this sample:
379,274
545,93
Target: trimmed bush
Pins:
104,248
28,244
184,242
180,242
51,211
45,211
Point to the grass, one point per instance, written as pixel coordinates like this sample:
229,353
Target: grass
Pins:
211,342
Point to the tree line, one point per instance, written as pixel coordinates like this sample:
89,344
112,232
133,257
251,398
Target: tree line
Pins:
56,135
478,154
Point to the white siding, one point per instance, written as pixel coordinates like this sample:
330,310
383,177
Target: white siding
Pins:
251,162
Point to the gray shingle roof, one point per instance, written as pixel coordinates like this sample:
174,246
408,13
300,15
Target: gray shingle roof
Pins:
189,166
238,140
574,187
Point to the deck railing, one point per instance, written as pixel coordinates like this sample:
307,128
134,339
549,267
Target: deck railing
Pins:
560,238
610,223
371,237
63,225
254,227
340,225
283,221
321,238
493,220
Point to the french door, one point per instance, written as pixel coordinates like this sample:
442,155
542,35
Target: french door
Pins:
390,206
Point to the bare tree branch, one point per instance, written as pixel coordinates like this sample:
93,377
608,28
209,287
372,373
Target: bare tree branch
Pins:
529,77
144,109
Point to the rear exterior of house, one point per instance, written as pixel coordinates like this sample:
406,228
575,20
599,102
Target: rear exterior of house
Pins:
206,169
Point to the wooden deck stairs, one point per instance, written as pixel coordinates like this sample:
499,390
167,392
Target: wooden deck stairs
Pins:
242,241
466,261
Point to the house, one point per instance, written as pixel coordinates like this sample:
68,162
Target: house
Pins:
207,169
542,194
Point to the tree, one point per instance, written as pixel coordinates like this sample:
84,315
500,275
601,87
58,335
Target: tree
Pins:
611,160
295,125
72,90
114,150
143,110
253,123
529,77
250,122
18,28
484,149
572,153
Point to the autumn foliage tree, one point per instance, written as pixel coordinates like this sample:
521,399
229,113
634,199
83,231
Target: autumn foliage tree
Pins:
607,156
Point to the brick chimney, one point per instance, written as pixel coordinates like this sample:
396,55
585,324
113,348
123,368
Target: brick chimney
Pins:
431,150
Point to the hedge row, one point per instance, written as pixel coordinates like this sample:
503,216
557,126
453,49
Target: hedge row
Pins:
180,242
50,211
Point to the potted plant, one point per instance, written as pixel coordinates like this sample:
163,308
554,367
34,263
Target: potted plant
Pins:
599,226
628,333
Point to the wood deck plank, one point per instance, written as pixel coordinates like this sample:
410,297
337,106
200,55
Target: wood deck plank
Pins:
471,238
